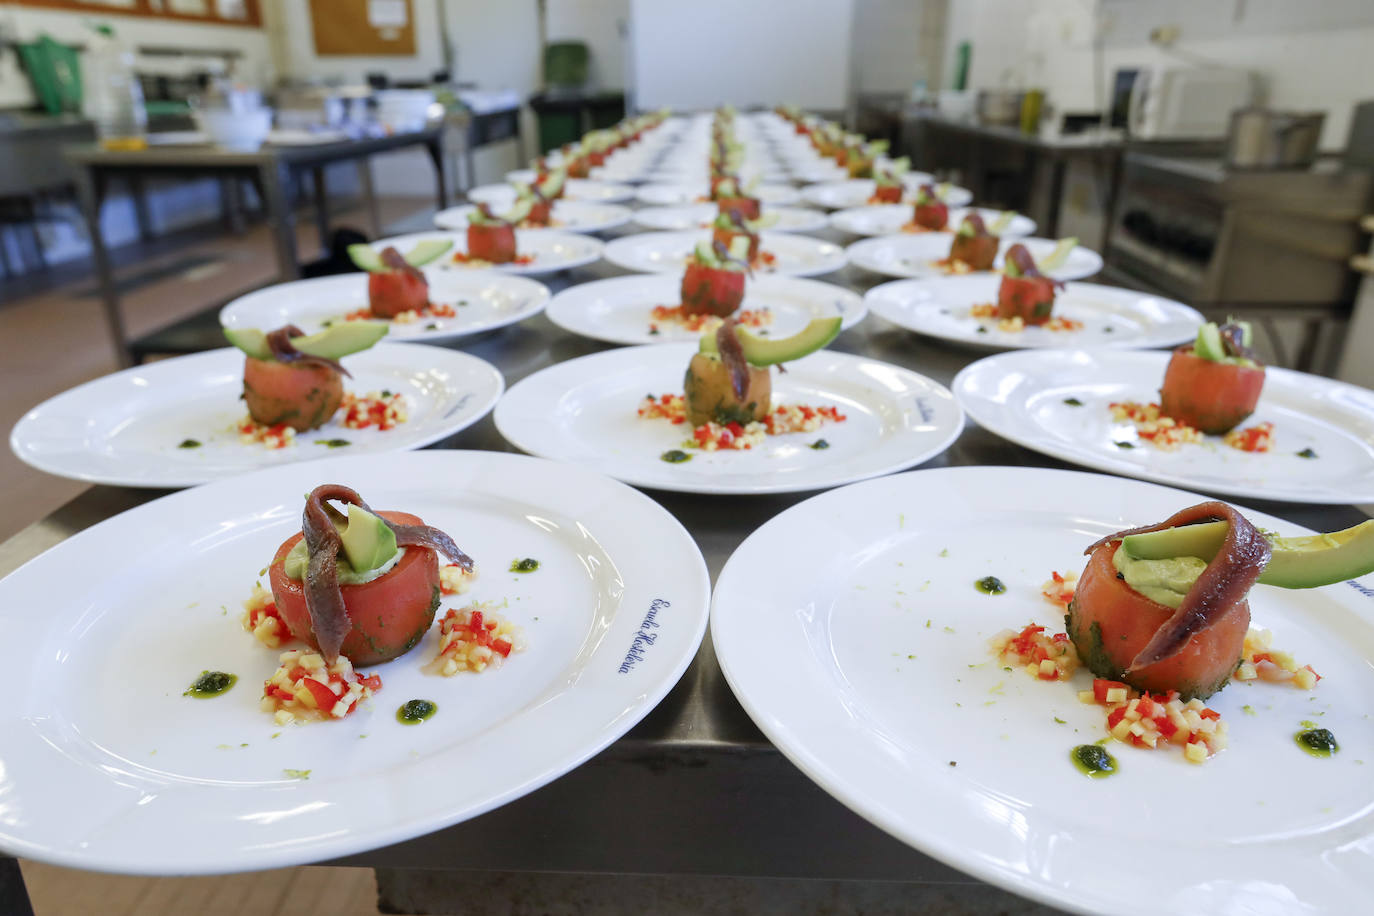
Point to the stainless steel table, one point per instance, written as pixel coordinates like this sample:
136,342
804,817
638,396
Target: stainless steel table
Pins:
274,170
695,788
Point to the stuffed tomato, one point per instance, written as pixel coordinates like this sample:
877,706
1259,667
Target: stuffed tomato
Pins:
1214,396
1024,293
398,287
493,242
929,211
1162,625
302,394
746,207
711,290
369,603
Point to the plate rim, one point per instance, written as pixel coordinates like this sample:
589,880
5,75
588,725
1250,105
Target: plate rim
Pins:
695,575
658,352
883,308
960,383
221,353
813,763
615,246
622,215
540,292
874,241
594,249
849,319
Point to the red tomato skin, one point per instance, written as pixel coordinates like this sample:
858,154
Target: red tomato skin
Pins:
724,236
391,292
1213,397
933,216
887,194
748,207
541,213
977,251
390,615
595,159
1126,620
302,397
579,168
494,243
1029,298
711,291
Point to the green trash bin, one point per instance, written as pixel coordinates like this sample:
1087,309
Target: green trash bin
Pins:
55,71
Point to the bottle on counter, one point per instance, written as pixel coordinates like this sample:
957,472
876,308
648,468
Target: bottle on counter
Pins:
112,96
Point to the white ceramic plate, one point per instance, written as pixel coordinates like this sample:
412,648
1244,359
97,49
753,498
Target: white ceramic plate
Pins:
584,411
501,196
483,299
1021,396
888,219
619,310
915,255
125,429
568,216
855,192
699,216
552,250
659,252
670,195
1111,316
123,778
862,655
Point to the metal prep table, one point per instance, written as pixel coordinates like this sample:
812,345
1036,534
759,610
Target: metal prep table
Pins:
938,141
275,171
695,788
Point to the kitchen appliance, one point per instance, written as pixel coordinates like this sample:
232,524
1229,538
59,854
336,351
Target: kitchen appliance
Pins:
1254,243
1180,103
1264,139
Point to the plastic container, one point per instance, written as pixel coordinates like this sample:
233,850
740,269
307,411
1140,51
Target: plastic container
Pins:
112,96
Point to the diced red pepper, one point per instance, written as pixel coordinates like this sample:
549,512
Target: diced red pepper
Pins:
502,646
1101,686
371,682
324,697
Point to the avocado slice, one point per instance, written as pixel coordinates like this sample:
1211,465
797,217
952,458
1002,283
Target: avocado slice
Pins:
1297,562
1056,258
1209,344
334,342
368,541
767,351
427,251
365,257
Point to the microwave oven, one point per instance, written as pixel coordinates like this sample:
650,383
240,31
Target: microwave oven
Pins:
1181,103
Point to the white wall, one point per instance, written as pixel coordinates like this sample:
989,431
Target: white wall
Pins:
764,52
1314,55
897,43
600,24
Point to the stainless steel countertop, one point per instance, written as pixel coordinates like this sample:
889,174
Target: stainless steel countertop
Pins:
695,787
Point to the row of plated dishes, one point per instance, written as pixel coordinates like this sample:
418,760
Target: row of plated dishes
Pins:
566,598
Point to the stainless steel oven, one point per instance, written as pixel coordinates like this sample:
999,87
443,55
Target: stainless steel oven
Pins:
1190,229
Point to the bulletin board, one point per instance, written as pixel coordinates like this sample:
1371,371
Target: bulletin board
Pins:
363,27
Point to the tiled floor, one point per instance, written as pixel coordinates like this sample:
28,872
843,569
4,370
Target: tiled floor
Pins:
54,340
